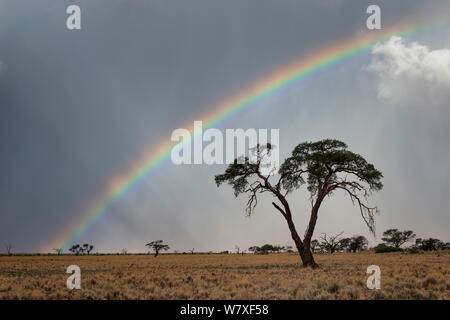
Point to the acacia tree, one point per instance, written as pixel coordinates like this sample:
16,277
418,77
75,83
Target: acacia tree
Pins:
88,247
357,243
330,243
266,249
431,244
157,246
396,237
254,249
344,244
324,166
75,249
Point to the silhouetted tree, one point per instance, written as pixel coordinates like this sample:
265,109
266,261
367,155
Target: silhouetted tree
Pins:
325,166
396,238
58,251
331,243
277,249
157,246
430,244
357,243
265,249
87,248
344,244
76,249
253,249
8,248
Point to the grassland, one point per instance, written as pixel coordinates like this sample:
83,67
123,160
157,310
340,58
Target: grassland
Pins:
202,276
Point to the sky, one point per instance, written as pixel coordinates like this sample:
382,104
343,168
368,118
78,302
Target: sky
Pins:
78,107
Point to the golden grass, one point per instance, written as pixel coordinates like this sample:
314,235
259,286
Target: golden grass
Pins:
275,276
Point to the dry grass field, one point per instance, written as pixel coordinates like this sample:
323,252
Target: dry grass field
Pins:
202,276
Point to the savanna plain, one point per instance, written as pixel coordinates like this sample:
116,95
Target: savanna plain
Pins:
227,276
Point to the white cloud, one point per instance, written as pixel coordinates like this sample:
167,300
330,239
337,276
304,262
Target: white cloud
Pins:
411,74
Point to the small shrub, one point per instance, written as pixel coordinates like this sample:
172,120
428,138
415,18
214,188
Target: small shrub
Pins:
352,293
429,281
333,288
378,295
382,248
417,295
323,296
413,250
312,294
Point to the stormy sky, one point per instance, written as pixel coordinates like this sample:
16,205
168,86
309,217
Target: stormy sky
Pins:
77,108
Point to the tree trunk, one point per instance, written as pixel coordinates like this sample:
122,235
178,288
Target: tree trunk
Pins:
308,259
303,248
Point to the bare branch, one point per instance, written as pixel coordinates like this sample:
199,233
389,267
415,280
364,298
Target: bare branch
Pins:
367,213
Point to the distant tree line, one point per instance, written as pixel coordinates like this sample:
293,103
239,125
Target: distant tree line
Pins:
332,244
430,244
268,248
394,239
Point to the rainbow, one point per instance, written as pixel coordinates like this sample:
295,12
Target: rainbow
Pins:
275,82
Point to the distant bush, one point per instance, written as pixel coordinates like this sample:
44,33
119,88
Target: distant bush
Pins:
413,250
382,248
431,244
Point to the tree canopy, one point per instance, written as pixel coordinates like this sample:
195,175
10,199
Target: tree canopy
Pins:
326,166
397,238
